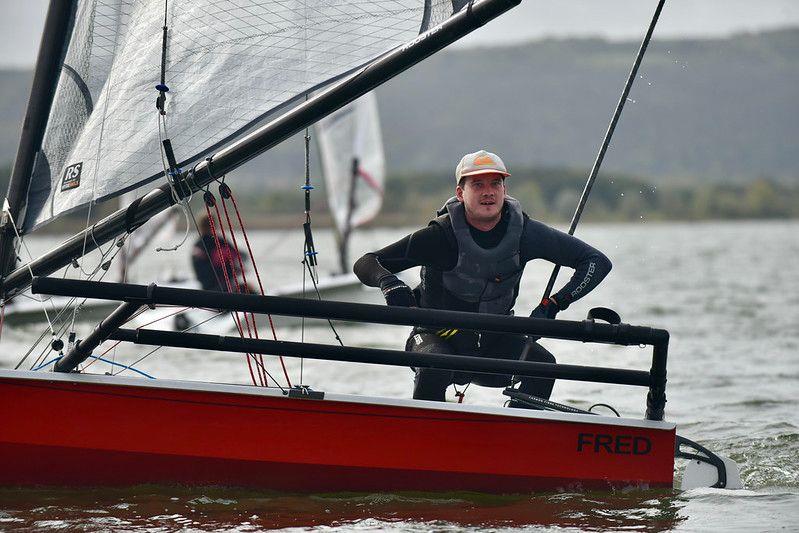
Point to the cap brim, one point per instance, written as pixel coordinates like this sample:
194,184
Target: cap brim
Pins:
485,171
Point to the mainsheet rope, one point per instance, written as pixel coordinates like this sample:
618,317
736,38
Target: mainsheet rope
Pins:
210,201
240,287
229,259
227,194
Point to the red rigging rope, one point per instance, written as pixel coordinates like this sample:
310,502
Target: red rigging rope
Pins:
248,317
228,255
231,256
211,201
226,193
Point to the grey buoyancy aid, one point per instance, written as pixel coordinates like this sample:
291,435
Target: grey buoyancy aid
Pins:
486,277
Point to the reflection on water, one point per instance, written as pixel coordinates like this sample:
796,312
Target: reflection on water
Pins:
164,508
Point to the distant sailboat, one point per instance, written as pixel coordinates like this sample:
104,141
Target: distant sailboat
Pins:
353,166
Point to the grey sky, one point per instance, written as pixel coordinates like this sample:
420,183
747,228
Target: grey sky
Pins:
22,20
628,19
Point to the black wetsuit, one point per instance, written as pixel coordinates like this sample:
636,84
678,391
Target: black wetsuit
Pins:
431,247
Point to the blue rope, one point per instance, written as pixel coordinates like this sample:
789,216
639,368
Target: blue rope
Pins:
50,362
123,366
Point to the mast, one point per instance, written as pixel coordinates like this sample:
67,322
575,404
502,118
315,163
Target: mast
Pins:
474,15
57,29
344,233
608,136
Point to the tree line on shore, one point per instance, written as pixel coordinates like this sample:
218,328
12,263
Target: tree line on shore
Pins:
552,195
547,194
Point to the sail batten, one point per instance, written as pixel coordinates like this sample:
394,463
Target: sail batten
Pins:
230,67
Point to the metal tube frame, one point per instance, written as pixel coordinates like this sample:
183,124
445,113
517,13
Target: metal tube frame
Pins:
83,349
585,331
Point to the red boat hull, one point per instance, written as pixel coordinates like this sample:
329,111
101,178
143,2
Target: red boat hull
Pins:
95,430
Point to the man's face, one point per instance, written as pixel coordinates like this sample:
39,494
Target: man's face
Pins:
483,196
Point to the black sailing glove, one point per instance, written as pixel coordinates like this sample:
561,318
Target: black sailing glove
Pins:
548,308
396,292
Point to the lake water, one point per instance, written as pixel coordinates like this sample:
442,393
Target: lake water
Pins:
727,292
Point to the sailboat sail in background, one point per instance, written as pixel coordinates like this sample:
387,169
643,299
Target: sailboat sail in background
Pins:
353,165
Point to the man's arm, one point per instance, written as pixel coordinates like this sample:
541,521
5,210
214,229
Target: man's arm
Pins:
425,247
590,265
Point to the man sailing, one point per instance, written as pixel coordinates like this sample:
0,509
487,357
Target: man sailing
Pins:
472,257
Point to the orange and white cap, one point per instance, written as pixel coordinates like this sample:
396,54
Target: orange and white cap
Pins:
480,162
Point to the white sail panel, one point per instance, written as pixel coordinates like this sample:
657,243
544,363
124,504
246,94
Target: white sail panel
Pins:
230,65
353,164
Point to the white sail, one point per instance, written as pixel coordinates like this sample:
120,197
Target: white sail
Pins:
230,65
353,164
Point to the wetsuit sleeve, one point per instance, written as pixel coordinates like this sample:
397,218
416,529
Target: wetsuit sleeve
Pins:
425,247
539,241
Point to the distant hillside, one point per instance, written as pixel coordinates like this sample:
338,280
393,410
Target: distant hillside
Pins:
703,110
551,194
14,89
718,109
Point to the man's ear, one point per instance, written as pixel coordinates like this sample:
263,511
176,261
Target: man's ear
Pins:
459,193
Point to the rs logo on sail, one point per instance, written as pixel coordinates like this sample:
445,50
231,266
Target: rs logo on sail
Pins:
71,179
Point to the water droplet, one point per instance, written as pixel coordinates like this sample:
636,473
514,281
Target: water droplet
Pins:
622,194
640,192
649,83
